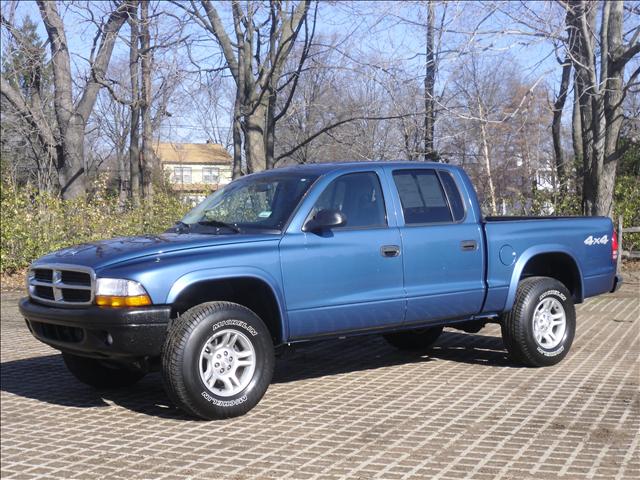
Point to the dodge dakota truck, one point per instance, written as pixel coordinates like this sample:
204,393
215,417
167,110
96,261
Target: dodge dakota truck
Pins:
310,252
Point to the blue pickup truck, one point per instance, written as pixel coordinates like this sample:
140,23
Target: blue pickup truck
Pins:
304,253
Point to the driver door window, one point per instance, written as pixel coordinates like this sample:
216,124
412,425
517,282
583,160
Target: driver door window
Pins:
358,196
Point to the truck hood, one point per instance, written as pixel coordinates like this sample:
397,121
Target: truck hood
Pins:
116,250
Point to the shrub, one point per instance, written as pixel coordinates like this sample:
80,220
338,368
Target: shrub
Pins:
627,206
35,223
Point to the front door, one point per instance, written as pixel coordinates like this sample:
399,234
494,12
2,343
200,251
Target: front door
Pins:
348,278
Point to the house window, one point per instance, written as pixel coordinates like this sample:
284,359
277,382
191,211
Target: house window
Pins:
210,175
182,174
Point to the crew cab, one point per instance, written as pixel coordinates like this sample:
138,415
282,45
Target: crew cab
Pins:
310,252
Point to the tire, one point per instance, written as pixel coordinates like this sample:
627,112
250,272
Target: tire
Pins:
539,329
208,347
101,373
418,340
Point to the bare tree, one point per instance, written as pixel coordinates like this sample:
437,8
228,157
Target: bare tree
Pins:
429,85
65,142
145,104
135,167
263,40
562,169
600,90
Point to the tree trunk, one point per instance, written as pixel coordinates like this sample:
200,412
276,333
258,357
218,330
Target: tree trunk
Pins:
270,139
429,87
71,170
134,142
576,137
255,144
556,128
145,110
613,110
487,164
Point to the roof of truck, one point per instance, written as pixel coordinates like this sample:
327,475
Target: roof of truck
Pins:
322,168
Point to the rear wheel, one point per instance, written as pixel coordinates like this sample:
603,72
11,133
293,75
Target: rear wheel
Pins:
414,340
101,373
539,329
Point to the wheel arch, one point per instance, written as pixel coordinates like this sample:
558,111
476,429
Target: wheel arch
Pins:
552,261
252,289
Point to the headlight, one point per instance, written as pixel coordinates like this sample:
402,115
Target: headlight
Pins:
119,292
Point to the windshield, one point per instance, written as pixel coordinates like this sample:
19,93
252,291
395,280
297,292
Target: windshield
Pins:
264,201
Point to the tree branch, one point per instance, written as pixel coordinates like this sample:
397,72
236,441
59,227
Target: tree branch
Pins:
339,123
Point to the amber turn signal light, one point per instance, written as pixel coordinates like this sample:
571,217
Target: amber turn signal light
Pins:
116,301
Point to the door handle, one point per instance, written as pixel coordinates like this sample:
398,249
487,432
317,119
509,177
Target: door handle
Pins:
468,245
390,250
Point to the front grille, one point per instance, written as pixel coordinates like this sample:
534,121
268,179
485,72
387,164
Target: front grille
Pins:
62,284
58,333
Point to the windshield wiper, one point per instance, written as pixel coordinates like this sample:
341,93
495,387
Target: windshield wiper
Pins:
219,224
180,227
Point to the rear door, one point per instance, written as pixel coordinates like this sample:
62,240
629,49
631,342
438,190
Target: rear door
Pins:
441,247
349,278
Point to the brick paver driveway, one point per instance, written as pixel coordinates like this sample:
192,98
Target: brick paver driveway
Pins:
352,408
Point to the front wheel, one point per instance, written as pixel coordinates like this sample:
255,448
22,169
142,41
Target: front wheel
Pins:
539,329
217,361
101,373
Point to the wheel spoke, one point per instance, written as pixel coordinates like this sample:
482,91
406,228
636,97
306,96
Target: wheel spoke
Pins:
234,380
231,341
244,354
244,363
227,383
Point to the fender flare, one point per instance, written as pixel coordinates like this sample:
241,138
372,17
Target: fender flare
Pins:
213,274
527,255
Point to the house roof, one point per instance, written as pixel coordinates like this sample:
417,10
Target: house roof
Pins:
192,153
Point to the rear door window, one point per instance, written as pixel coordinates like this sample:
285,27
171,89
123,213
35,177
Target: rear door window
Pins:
422,197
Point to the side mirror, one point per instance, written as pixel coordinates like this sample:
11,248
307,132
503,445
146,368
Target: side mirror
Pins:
325,220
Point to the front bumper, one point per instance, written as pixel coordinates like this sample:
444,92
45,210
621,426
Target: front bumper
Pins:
116,333
617,283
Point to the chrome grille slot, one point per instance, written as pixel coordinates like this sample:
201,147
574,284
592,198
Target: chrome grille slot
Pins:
73,295
75,278
44,292
44,275
60,284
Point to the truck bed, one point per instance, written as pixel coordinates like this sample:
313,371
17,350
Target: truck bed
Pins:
512,241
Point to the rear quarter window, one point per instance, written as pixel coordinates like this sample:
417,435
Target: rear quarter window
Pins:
453,194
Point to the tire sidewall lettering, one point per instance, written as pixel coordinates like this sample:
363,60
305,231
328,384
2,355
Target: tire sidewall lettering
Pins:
234,323
223,403
554,353
557,293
